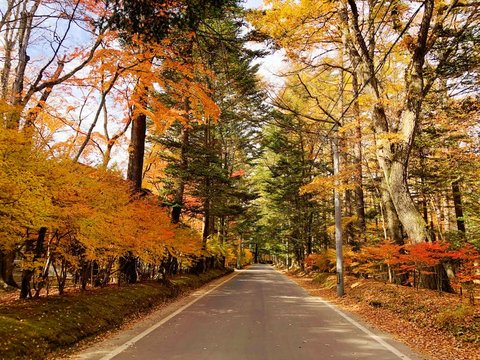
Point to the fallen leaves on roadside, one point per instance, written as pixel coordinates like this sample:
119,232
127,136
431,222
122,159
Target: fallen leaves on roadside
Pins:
423,319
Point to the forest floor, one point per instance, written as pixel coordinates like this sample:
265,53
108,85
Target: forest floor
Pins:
440,326
33,329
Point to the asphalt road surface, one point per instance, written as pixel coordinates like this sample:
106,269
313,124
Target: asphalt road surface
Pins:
259,314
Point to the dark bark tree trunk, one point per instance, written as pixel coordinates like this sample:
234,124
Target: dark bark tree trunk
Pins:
206,218
7,259
348,212
85,273
27,274
457,203
136,151
207,203
179,192
128,267
309,233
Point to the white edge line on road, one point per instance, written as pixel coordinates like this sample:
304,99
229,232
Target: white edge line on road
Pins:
132,341
361,327
366,331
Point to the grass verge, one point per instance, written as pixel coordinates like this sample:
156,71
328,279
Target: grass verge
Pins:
32,329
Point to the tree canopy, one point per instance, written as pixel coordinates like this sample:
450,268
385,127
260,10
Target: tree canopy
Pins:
138,139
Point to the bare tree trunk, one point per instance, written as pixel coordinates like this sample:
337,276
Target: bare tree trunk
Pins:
393,156
207,218
24,32
9,42
358,157
309,233
179,192
457,203
136,151
393,161
394,226
27,274
338,214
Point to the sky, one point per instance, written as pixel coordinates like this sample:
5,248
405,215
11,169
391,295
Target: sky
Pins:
40,52
270,66
253,4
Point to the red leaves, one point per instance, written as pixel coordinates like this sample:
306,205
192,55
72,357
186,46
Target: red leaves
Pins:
238,173
421,257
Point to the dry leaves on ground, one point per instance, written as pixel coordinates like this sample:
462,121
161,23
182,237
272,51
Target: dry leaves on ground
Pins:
440,326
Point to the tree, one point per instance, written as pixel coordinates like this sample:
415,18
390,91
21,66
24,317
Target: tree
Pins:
166,18
368,36
205,156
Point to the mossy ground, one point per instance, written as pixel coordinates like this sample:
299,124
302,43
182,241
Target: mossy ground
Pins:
34,328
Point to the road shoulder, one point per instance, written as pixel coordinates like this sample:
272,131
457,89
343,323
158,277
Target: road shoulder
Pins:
106,344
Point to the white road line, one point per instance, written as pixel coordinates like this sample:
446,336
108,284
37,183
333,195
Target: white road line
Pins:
360,326
132,341
368,332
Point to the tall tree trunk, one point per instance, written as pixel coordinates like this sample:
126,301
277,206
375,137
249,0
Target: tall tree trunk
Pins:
393,156
357,159
206,219
309,233
24,32
27,274
207,203
136,151
349,230
393,160
348,212
179,192
394,226
457,203
338,213
7,64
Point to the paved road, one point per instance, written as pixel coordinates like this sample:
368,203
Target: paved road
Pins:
261,314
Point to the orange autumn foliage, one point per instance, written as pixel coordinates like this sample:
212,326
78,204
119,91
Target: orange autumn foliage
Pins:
419,257
89,213
375,260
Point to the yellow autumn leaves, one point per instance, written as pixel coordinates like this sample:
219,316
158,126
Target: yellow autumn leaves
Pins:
82,208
